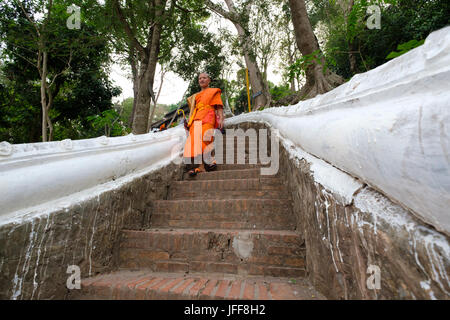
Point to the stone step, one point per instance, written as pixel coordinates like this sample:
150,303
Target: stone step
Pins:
225,167
239,157
224,206
268,188
234,144
254,252
235,161
227,181
228,174
147,285
224,220
237,150
230,194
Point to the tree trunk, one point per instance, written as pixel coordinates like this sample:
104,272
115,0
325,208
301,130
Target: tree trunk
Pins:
227,109
152,113
256,79
352,58
147,77
143,101
317,81
44,95
293,84
134,73
49,121
147,57
351,44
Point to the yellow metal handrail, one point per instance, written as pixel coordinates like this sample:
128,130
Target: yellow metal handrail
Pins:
248,91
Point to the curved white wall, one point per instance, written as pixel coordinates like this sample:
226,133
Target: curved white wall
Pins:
37,173
389,127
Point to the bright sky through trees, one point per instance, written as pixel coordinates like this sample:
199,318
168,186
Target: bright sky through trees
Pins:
174,86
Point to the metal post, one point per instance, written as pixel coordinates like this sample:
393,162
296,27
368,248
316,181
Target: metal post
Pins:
248,91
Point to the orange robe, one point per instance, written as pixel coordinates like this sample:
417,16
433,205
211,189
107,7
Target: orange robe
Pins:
202,114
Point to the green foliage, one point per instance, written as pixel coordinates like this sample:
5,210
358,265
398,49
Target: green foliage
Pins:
83,94
19,112
241,102
405,47
299,67
401,21
81,91
108,122
197,51
279,92
127,109
173,107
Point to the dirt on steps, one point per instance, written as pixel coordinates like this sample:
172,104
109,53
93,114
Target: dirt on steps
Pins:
148,285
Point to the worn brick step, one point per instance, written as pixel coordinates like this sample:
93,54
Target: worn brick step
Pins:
259,187
224,167
251,173
243,157
216,206
146,285
242,160
253,145
133,263
231,180
231,194
163,222
223,220
246,153
230,251
236,150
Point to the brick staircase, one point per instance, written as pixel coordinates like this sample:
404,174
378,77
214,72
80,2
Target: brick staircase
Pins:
226,234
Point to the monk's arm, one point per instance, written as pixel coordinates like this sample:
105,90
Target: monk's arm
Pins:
219,112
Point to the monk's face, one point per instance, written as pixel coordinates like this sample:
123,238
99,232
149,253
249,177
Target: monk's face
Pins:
203,80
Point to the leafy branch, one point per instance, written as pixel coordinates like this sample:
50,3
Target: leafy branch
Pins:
404,48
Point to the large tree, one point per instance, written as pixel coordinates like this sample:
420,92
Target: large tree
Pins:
239,16
155,32
288,50
145,41
319,79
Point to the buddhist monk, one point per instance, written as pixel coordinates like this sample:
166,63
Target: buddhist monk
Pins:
206,114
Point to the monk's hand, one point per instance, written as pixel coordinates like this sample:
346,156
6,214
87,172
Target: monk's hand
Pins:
220,122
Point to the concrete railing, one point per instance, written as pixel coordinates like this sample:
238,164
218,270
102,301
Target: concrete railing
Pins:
37,175
389,127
